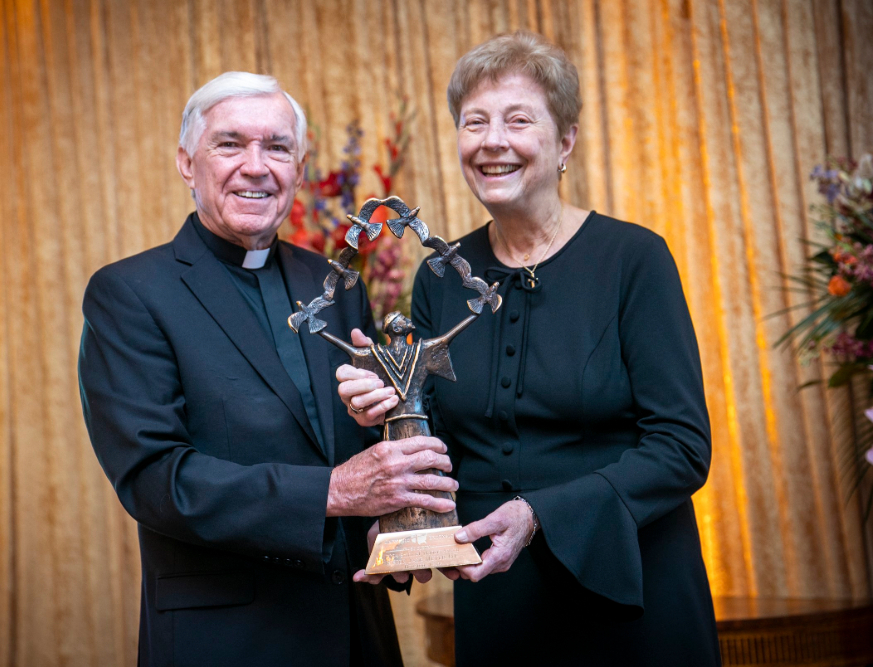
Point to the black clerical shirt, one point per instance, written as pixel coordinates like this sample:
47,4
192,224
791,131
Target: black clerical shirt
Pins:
264,290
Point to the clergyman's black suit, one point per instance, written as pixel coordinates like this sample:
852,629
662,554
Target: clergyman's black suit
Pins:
206,440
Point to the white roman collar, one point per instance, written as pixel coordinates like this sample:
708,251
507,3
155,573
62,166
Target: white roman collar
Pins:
255,259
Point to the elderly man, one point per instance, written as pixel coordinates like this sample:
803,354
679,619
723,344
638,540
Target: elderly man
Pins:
221,431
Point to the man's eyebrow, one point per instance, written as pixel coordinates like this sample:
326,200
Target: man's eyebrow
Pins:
221,135
226,134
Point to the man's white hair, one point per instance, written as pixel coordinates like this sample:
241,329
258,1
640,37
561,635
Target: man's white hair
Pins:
234,84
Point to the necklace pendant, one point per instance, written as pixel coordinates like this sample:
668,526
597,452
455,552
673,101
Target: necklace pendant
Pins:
530,283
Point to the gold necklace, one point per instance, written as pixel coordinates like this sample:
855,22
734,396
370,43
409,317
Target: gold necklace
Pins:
532,280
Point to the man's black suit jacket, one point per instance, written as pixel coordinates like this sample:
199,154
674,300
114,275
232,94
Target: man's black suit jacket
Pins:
206,441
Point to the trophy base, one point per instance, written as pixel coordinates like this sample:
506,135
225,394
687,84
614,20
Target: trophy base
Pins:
420,550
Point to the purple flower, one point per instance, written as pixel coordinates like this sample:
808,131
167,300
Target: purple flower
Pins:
848,348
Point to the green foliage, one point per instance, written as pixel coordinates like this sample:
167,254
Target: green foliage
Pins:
837,278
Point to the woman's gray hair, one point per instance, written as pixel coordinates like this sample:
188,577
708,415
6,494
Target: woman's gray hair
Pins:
526,53
234,84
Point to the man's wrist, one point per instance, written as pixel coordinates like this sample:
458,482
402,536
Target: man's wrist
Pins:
333,496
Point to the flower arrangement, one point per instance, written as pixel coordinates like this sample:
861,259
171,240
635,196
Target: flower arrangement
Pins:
840,273
318,215
839,276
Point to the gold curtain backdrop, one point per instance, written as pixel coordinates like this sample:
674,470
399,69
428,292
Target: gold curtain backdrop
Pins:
701,120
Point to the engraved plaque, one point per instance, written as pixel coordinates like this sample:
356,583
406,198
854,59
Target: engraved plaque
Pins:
420,550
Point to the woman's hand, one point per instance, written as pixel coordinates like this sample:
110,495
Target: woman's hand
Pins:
366,397
361,576
509,526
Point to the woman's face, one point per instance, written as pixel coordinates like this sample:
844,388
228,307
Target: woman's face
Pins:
508,142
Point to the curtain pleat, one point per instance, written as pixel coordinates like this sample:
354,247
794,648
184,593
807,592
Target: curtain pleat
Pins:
702,120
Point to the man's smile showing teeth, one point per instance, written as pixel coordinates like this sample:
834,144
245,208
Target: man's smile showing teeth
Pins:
252,194
498,169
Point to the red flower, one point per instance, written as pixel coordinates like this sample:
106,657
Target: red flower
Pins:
839,286
330,186
300,237
392,149
385,178
317,242
366,246
309,240
339,234
298,211
845,258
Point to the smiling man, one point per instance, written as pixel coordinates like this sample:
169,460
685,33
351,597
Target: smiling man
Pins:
222,432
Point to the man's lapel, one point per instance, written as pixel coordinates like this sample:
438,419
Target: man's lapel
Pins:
303,286
212,286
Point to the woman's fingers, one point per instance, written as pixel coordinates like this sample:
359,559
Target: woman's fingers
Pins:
490,525
359,339
357,384
362,577
365,395
348,372
469,572
376,412
452,573
509,527
493,560
422,576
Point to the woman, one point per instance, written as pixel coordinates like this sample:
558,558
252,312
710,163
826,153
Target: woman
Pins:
577,425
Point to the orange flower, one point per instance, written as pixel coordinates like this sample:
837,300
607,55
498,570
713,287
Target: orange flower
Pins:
381,213
839,286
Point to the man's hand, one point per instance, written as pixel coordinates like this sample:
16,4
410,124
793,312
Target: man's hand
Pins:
361,576
509,526
360,389
383,479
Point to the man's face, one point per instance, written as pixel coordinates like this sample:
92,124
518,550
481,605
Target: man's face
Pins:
245,170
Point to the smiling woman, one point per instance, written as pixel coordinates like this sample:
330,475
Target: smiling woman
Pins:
507,145
575,463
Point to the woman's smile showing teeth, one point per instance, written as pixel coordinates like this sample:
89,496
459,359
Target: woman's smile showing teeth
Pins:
498,169
252,194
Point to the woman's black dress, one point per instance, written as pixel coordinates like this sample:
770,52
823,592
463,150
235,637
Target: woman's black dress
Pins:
585,397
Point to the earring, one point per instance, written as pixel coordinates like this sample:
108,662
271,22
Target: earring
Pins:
562,168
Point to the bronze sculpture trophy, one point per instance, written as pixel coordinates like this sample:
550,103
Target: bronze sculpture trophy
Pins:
412,538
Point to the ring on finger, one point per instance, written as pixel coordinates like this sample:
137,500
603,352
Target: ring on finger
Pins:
357,411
